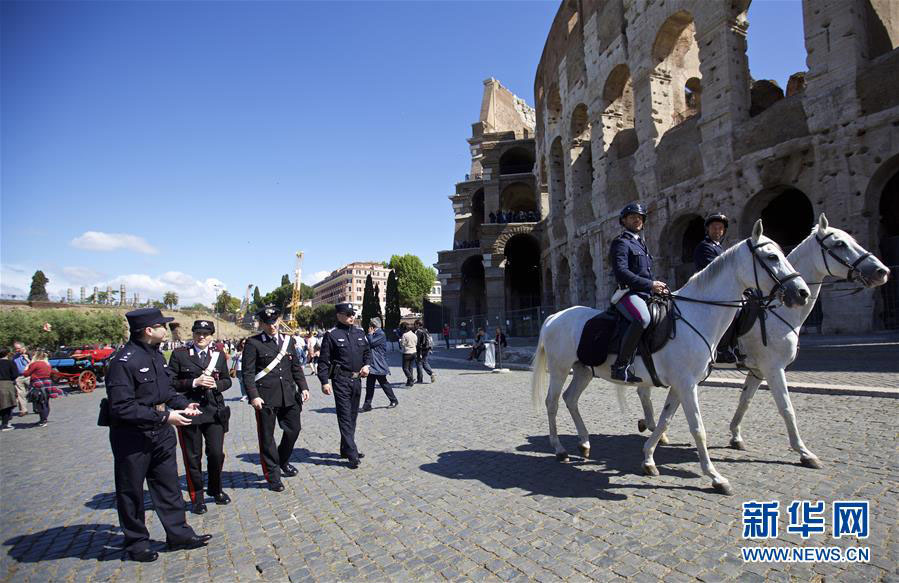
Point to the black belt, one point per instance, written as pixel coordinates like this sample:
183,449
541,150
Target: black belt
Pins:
347,373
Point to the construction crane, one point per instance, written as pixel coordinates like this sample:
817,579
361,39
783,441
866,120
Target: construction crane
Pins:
289,325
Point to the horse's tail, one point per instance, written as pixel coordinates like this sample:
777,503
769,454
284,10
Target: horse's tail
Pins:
538,374
621,393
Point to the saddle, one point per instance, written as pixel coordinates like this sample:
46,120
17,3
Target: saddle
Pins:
602,335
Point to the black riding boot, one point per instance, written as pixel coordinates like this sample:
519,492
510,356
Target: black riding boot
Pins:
621,369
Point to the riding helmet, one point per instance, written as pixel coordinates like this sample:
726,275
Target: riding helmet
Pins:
717,217
634,208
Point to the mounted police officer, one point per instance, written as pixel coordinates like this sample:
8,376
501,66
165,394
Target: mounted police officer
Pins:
710,247
140,409
343,361
271,374
632,266
201,373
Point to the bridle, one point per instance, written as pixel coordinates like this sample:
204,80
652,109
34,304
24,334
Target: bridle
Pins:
854,274
778,282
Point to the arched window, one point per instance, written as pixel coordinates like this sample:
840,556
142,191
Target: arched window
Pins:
619,134
581,165
516,160
557,193
522,272
675,54
518,197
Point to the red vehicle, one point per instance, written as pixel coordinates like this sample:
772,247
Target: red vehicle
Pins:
81,368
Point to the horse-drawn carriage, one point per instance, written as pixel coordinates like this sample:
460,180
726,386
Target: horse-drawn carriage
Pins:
80,368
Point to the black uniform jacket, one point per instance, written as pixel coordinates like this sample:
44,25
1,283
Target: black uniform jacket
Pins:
278,388
139,379
631,262
705,253
185,366
346,348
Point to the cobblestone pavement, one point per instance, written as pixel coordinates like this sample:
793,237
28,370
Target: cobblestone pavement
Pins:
460,483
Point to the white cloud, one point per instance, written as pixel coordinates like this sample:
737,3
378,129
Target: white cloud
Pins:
99,241
316,277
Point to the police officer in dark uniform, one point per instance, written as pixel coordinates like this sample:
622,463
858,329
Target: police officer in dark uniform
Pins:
343,361
710,247
140,409
190,365
271,374
632,265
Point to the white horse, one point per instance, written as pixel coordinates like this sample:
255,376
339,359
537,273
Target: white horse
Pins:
827,251
756,262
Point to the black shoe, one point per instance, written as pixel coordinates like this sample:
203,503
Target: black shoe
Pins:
221,498
144,556
725,357
198,507
393,404
353,464
624,374
288,471
346,457
366,408
194,542
276,486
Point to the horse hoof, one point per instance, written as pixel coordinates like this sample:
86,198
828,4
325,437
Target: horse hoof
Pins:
585,451
641,426
650,470
811,462
723,488
741,445
664,439
561,457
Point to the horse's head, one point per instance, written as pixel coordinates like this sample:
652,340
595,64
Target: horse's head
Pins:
841,256
771,272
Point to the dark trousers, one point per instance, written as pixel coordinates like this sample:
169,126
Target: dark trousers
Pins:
446,339
270,456
5,416
42,408
421,362
408,362
370,388
191,438
347,392
147,456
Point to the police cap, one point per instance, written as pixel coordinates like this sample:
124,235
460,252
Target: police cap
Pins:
717,218
634,208
203,325
269,314
146,317
346,308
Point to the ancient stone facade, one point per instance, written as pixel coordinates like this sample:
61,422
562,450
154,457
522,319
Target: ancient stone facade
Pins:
494,266
652,100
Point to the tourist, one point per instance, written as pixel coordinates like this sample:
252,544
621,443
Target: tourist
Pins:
21,361
39,372
446,335
236,367
500,339
423,349
8,374
379,370
409,346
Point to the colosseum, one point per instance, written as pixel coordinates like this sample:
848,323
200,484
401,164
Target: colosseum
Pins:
653,101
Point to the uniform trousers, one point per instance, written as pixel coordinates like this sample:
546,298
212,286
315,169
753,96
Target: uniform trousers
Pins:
272,457
147,455
191,438
370,388
347,393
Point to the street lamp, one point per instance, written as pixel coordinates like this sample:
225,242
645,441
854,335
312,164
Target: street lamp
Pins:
215,313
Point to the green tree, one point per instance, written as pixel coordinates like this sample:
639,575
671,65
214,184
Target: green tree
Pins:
414,280
392,316
67,327
170,299
280,296
323,316
305,317
368,300
285,279
156,304
378,312
225,303
306,292
197,307
257,300
38,291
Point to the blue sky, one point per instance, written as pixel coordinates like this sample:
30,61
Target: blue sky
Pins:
187,145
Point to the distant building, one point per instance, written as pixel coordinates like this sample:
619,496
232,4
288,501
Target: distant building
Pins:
347,284
434,294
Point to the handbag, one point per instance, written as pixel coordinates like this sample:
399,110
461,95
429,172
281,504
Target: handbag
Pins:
223,415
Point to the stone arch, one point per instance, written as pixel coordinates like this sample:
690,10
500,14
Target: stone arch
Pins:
587,277
522,271
553,105
557,190
518,196
619,133
680,240
499,246
477,215
563,284
881,19
516,160
883,207
581,166
786,212
548,295
675,57
473,295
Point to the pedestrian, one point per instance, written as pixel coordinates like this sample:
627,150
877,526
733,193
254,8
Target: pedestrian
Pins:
409,347
21,361
313,344
500,340
141,408
8,374
423,348
478,347
276,387
379,369
39,371
344,361
446,335
201,373
237,369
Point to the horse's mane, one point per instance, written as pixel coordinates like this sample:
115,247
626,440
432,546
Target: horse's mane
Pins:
702,277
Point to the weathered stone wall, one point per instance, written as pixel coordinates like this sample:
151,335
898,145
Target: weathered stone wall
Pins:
672,121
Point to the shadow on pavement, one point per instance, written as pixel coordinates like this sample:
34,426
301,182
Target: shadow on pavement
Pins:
102,542
328,410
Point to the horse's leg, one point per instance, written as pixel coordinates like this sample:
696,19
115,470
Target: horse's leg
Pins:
672,401
690,400
649,415
777,382
579,381
750,386
556,380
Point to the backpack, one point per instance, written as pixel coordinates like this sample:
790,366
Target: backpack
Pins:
427,343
